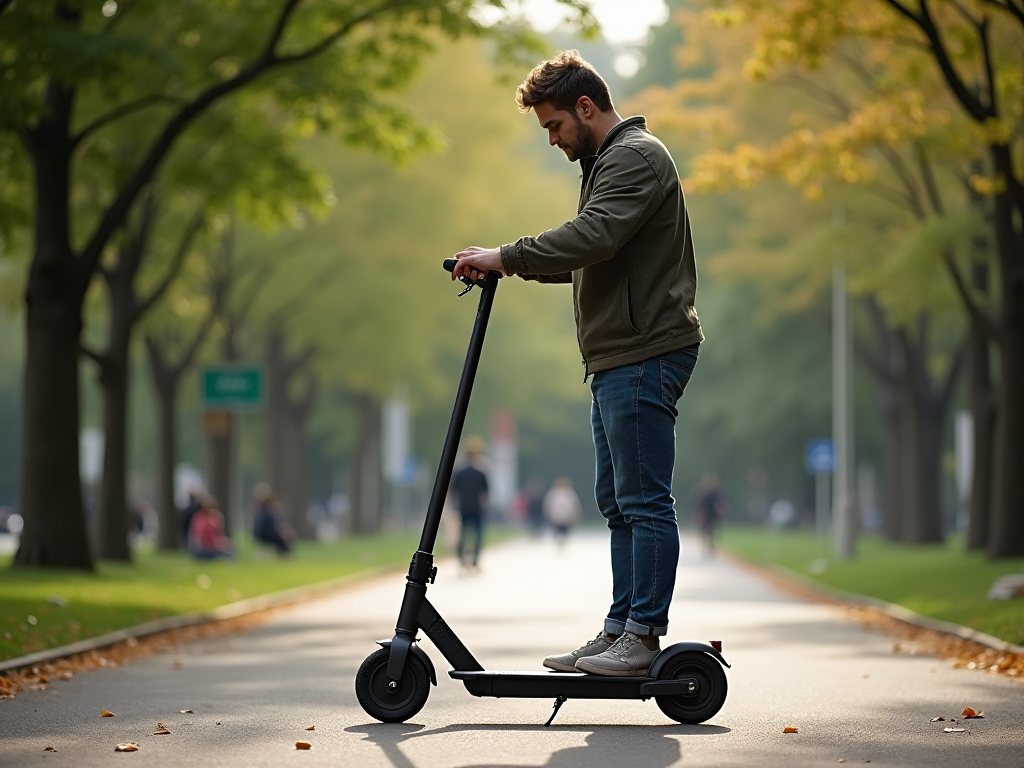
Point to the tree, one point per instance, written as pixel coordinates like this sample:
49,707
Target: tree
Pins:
71,72
870,129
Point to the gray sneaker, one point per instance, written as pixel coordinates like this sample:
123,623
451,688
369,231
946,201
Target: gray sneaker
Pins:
567,661
627,657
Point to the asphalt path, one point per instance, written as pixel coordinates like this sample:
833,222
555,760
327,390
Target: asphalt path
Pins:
794,663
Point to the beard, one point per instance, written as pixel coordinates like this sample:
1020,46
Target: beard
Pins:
583,146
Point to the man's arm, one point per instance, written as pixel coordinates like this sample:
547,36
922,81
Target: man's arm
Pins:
626,192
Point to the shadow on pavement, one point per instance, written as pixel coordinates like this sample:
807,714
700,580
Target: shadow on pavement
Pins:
606,745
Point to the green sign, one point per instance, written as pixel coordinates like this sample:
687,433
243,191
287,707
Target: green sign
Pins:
228,387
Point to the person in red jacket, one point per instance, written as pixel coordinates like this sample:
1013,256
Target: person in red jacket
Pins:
206,537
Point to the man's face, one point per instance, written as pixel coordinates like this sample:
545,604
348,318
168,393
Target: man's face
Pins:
566,131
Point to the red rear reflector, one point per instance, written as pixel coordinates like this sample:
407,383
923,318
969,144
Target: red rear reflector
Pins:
717,645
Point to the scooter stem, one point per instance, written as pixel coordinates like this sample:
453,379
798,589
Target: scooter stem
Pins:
488,286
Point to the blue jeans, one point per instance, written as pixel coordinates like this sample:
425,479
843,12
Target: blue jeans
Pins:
633,416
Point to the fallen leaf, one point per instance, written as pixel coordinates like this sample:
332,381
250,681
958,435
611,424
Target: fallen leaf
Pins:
310,727
938,719
789,729
303,745
186,711
969,713
954,730
128,746
49,749
161,730
106,713
842,759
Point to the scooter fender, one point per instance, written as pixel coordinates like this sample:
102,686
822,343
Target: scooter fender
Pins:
420,654
688,647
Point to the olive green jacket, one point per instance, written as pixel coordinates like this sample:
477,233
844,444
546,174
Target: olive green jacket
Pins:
627,253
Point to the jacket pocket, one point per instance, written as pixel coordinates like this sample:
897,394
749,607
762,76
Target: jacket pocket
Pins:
629,311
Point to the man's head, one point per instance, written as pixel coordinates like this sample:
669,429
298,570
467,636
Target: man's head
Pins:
572,103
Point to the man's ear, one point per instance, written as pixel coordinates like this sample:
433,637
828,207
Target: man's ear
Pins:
585,107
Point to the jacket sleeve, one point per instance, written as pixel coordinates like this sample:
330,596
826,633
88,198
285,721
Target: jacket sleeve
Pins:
626,191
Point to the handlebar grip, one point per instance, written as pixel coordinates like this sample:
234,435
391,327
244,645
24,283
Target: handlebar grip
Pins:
449,264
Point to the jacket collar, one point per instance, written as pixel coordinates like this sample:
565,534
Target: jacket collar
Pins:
587,163
638,121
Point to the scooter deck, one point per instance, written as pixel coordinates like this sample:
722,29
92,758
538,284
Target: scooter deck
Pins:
546,685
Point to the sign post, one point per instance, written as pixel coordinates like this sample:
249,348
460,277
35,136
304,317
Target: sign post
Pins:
820,460
224,391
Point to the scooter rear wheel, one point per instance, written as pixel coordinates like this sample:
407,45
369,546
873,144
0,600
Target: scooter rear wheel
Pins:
391,705
711,690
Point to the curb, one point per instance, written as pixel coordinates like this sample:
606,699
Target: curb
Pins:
229,611
889,609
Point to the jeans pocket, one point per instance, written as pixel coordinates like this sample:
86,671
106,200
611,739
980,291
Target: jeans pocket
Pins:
674,377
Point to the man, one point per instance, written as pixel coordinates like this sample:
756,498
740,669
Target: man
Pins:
630,259
469,488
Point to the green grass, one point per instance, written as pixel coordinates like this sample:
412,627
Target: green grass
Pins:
165,584
940,581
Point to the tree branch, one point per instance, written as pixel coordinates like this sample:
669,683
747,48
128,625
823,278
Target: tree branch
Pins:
332,38
819,93
945,393
161,146
118,112
928,179
92,354
184,245
1009,7
903,173
976,313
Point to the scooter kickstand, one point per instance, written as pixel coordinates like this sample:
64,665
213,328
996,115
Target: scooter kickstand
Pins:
557,705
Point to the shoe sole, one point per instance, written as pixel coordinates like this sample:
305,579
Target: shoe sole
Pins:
558,667
610,672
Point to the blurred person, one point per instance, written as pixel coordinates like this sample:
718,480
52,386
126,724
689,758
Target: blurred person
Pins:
562,508
206,539
533,499
709,510
629,256
269,526
469,491
194,503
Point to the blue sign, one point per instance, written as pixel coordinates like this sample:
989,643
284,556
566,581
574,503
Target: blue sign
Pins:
820,456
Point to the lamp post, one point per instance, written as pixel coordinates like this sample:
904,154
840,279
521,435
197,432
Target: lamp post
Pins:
843,514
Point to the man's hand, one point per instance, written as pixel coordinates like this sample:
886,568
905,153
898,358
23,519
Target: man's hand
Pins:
474,262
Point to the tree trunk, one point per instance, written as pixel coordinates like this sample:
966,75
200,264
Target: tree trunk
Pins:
366,467
112,511
982,402
298,471
892,464
277,418
51,493
921,511
1006,537
165,386
288,467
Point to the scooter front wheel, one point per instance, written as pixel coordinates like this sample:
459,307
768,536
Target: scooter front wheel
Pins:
387,702
711,688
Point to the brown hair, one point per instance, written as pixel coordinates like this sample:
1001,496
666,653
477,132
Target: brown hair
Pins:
562,81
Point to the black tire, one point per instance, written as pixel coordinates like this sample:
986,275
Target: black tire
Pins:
379,700
710,696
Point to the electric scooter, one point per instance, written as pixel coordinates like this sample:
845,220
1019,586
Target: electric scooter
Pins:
686,679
